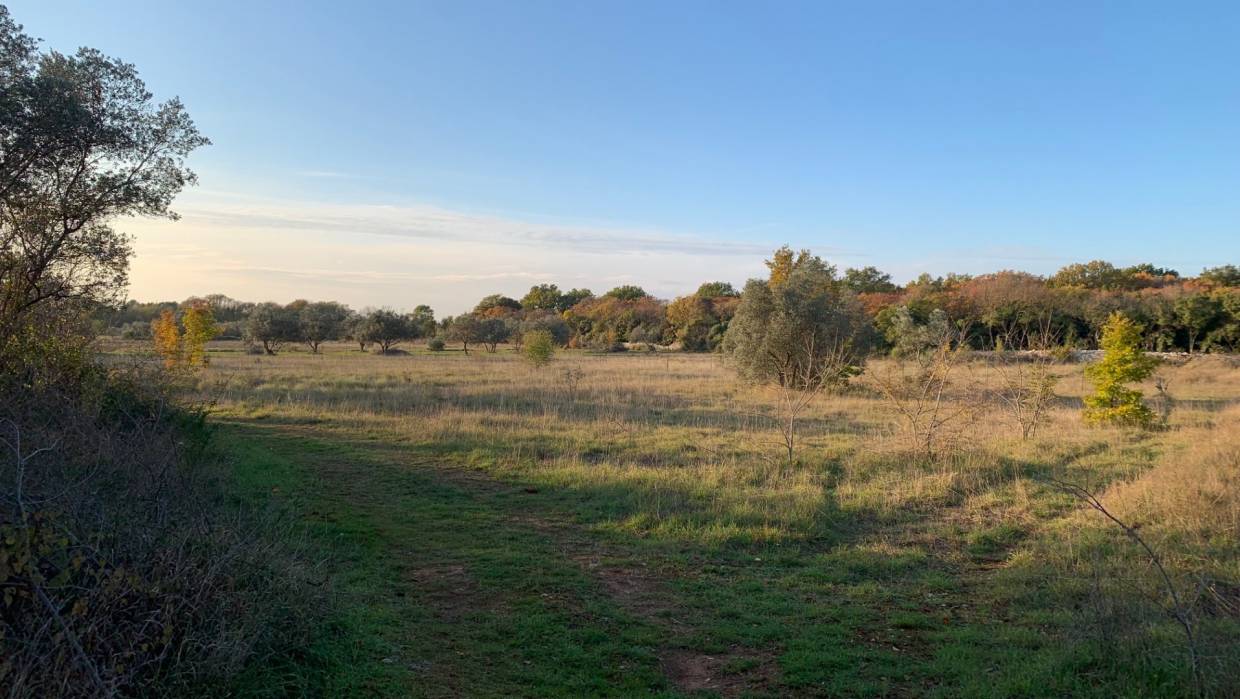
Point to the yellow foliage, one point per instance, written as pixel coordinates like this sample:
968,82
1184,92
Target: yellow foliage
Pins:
199,323
167,337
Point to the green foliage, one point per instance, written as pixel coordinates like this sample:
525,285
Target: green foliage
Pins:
1196,314
713,290
497,304
387,328
572,297
627,292
321,321
868,280
471,328
435,344
1123,362
547,321
799,328
272,325
422,321
543,297
538,347
83,143
1222,276
910,338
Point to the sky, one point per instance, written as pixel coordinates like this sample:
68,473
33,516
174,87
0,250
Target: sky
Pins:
399,153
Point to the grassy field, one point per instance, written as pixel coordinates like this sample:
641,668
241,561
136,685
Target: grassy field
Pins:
626,525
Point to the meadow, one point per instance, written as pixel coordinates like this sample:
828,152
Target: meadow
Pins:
630,525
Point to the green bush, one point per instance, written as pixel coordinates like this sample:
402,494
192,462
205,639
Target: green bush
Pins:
1123,362
538,347
435,344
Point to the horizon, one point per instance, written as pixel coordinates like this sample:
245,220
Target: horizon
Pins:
439,153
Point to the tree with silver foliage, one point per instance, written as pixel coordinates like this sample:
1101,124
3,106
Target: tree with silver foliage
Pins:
799,328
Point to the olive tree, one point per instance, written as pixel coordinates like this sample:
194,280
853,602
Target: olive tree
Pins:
387,328
465,329
800,329
470,329
321,321
493,331
271,325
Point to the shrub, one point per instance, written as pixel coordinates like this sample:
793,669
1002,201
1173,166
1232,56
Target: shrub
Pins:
538,347
121,571
1123,362
435,344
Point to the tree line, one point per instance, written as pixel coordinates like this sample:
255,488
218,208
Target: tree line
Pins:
1002,310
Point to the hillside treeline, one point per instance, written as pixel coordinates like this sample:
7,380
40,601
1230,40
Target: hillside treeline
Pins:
1007,309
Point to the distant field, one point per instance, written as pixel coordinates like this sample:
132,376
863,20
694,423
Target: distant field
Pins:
624,525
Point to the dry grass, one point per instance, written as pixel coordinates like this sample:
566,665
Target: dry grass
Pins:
682,431
671,448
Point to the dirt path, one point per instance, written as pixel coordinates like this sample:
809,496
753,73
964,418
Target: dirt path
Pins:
457,559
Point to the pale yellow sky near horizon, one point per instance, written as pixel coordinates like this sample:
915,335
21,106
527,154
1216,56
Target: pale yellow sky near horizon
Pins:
259,249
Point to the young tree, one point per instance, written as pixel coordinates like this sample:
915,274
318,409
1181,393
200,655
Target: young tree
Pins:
199,323
538,347
82,143
1123,362
465,329
909,338
321,321
359,330
167,337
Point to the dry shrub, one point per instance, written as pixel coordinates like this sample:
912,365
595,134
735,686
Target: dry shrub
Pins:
1026,389
934,397
122,571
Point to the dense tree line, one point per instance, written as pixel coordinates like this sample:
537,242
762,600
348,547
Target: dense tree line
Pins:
1007,309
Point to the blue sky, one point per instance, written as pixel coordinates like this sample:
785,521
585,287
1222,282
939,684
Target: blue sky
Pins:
399,153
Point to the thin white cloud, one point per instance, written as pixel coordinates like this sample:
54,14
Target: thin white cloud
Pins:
400,256
434,223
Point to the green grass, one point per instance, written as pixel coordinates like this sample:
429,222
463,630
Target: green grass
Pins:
487,536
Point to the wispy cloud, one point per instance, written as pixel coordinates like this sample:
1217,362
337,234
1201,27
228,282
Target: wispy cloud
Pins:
434,223
374,255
